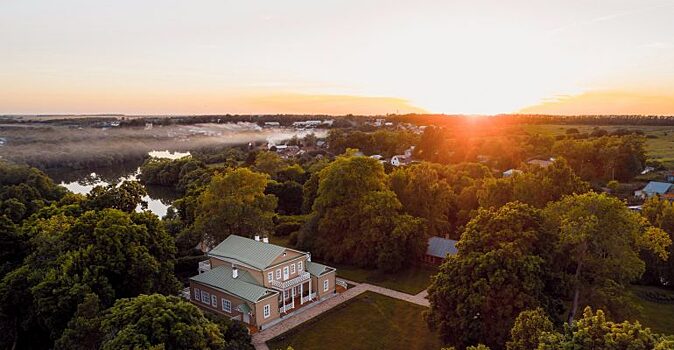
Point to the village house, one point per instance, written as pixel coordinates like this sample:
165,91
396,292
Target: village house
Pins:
256,282
438,249
403,159
543,163
655,188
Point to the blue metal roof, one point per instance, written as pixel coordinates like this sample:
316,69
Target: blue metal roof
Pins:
657,187
440,247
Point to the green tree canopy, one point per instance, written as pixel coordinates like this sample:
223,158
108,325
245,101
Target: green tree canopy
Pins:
660,213
499,271
357,218
125,197
152,322
235,203
109,253
599,244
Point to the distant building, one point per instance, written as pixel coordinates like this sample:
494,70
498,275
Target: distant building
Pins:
400,160
543,163
654,188
272,123
511,172
438,249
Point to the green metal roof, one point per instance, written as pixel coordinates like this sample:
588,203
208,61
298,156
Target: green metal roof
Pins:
244,308
259,255
317,269
244,286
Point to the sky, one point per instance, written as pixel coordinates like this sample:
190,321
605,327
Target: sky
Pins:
337,57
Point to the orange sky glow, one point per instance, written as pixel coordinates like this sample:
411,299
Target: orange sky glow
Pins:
337,57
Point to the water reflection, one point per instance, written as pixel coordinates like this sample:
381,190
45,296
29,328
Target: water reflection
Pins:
158,198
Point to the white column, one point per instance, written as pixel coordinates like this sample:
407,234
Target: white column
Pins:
302,293
292,296
283,295
310,288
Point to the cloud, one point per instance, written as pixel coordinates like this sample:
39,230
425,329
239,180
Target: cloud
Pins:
605,102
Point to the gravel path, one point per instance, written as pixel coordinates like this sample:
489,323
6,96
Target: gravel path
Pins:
260,338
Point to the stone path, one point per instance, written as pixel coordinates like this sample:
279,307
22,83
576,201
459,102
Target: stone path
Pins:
260,338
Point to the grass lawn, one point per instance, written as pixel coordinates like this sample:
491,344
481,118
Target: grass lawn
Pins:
659,317
368,321
411,280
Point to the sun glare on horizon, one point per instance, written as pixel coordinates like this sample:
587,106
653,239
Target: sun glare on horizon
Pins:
361,57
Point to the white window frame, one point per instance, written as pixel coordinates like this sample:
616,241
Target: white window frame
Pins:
214,300
278,274
299,266
205,297
226,305
266,311
285,294
197,294
292,269
326,285
270,276
286,271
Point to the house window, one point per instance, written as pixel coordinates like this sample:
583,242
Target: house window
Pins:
326,284
226,305
292,268
278,274
270,276
214,300
205,297
285,294
285,273
197,295
299,266
267,311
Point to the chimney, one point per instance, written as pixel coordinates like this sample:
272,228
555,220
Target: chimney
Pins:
235,272
257,238
265,239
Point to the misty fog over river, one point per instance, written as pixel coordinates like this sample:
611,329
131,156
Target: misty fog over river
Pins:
159,198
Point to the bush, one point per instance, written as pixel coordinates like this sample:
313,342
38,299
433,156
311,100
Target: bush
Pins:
657,296
293,238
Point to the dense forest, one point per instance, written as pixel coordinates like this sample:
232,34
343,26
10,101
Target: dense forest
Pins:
545,257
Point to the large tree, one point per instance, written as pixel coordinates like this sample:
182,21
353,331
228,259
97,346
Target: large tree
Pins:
594,331
151,322
660,213
235,203
599,244
499,271
109,253
357,219
424,194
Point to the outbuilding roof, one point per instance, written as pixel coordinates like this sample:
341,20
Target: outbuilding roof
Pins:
657,187
248,251
317,269
440,247
244,286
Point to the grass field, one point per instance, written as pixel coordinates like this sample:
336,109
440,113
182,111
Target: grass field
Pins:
369,321
659,148
659,317
411,280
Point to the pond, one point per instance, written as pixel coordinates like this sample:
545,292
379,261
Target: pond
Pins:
158,198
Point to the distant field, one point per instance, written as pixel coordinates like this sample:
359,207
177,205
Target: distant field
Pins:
660,148
367,322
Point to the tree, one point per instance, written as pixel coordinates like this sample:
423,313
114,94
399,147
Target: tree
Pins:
125,197
356,218
235,203
599,244
499,271
660,213
527,330
423,194
593,331
269,163
108,253
289,195
159,322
